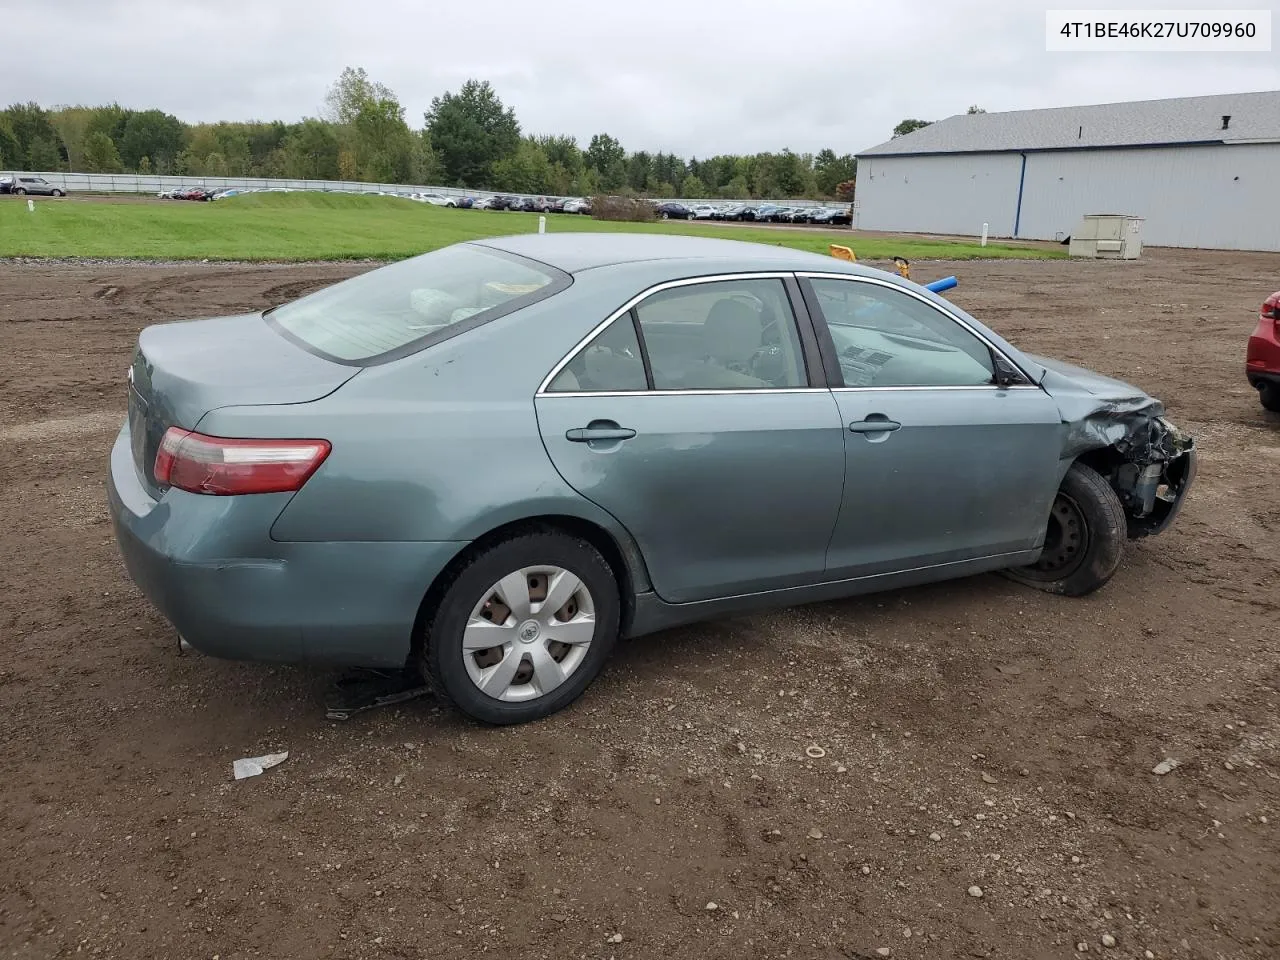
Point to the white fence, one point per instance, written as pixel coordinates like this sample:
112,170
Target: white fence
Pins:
149,184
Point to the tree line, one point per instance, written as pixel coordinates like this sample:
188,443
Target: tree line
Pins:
468,139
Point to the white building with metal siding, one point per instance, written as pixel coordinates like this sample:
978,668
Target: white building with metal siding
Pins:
1201,171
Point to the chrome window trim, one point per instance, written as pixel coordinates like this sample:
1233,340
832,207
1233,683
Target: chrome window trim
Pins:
772,392
876,281
974,386
765,392
635,301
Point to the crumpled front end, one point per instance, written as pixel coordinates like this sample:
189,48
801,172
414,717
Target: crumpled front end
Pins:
1151,468
1122,433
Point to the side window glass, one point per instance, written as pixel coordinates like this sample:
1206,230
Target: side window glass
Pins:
888,338
722,335
611,362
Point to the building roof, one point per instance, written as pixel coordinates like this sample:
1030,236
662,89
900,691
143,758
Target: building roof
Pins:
1140,123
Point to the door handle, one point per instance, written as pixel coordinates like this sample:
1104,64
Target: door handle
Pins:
875,423
611,431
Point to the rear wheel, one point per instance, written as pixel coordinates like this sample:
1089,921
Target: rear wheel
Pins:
1269,394
1085,538
523,629
21,191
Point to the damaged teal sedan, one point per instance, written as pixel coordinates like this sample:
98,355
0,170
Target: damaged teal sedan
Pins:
488,463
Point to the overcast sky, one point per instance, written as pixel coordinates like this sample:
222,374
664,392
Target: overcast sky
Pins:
691,76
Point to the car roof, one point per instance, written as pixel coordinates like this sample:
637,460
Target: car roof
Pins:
573,252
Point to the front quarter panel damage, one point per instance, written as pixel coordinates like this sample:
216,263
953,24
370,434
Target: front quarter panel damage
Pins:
1123,434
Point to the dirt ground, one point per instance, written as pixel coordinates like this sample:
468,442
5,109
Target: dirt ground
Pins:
975,733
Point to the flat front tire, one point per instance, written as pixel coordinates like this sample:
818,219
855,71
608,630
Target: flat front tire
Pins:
1085,538
523,629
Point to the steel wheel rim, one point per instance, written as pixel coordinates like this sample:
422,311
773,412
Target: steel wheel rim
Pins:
528,633
1066,541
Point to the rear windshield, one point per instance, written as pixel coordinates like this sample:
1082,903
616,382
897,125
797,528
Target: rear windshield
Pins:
398,309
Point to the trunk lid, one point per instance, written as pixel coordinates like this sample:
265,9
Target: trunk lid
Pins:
181,371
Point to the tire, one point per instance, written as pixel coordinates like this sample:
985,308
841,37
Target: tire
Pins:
21,191
1269,396
474,595
1085,540
58,193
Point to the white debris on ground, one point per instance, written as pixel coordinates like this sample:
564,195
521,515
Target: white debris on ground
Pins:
253,766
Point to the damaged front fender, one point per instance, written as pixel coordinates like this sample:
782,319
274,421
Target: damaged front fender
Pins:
1122,433
1152,468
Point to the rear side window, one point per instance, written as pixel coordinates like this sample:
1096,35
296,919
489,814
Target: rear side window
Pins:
398,309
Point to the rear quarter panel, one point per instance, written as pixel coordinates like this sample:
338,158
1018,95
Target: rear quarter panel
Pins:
442,445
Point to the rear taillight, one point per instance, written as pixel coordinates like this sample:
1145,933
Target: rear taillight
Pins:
1271,307
224,467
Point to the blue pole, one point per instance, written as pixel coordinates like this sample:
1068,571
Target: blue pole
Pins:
946,283
1017,213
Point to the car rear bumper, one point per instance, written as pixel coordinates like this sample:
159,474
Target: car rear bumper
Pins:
209,566
1262,354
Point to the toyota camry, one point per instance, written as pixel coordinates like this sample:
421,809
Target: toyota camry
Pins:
492,461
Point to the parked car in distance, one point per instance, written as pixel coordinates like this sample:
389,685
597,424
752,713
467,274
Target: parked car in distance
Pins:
670,210
739,211
766,212
435,199
573,204
1262,356
465,203
36,186
6,183
289,486
483,203
702,211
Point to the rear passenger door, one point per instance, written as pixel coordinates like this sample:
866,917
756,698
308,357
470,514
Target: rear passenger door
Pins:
691,416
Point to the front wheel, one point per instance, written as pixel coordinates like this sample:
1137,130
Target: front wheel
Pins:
523,629
58,193
1085,539
1269,395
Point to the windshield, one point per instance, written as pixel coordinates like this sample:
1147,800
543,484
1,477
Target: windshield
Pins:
401,308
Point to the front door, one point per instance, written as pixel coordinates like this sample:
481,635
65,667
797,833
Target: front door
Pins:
691,419
944,464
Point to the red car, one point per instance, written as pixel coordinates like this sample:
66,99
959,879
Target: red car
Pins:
1262,360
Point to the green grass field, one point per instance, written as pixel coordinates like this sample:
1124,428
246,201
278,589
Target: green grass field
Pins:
319,226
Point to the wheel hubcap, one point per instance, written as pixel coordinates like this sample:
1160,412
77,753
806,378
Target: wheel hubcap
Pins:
529,633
